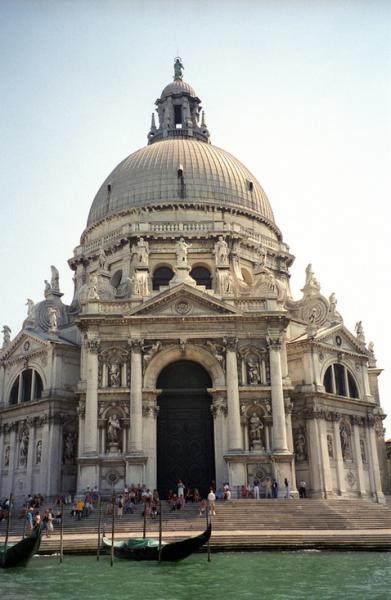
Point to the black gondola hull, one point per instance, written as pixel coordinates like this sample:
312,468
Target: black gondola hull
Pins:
169,552
20,553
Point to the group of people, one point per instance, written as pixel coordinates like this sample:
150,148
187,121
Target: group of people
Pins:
34,519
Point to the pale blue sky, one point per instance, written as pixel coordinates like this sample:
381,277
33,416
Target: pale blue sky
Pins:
298,91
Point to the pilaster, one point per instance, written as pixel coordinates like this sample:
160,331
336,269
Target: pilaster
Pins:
357,452
136,378
374,463
279,431
235,441
339,458
91,409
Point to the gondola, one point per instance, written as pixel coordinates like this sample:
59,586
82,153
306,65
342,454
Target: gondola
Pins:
148,548
18,554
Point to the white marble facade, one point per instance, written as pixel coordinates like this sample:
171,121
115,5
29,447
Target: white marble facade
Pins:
181,260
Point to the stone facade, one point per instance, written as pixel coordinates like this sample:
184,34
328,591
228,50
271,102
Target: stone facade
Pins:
181,260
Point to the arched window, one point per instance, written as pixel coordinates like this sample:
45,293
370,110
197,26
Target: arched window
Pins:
202,276
339,381
27,386
162,276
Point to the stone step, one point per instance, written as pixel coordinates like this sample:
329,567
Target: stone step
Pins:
242,515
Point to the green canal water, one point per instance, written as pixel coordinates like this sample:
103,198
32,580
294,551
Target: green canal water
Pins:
239,576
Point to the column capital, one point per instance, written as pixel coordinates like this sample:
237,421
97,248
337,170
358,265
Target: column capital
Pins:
136,345
274,342
231,344
356,420
219,407
93,345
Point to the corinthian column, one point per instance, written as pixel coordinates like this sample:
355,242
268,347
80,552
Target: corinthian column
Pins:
374,463
91,411
136,400
338,456
356,421
234,428
279,429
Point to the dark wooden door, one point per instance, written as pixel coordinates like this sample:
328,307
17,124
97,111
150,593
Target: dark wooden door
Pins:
185,429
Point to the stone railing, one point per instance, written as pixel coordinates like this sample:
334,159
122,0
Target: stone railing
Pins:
219,227
251,305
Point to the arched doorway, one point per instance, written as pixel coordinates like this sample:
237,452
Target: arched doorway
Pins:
185,447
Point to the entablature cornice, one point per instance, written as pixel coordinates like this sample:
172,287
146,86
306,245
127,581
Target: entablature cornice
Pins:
327,398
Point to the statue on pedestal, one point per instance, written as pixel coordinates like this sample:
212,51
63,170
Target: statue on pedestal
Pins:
300,445
113,431
360,331
181,252
93,287
345,435
69,448
38,452
24,446
221,252
252,372
102,260
141,252
115,375
255,427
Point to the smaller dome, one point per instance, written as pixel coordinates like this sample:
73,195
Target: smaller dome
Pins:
178,86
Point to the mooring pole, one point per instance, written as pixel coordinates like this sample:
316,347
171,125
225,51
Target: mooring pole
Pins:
24,524
112,528
207,525
145,521
62,532
8,528
99,521
160,530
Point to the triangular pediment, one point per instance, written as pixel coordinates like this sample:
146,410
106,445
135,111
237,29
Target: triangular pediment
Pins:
341,339
23,345
337,338
184,301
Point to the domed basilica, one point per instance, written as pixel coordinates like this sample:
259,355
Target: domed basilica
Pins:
183,354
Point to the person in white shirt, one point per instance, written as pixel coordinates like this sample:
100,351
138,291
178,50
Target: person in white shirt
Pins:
212,501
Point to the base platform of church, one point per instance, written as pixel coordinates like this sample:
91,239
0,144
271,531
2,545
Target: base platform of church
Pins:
243,525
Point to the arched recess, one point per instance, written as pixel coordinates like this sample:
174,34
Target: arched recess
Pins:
191,352
185,441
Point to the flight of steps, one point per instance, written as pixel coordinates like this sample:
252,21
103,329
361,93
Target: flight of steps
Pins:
245,525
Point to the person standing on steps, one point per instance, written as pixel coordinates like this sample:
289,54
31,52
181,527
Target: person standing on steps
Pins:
181,493
256,489
286,483
212,502
274,489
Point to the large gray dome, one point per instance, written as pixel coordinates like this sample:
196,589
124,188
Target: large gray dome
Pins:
211,176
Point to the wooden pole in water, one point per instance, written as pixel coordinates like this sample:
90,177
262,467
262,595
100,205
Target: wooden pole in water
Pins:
145,521
207,525
160,530
62,532
8,527
99,522
112,529
24,524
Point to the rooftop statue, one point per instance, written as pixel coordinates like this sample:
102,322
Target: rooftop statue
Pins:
6,335
178,68
55,281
